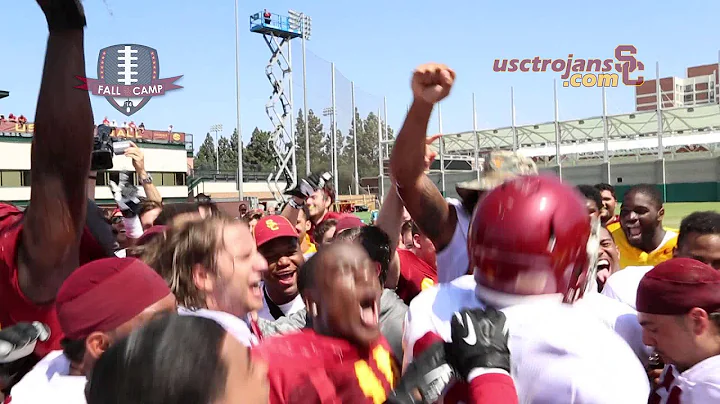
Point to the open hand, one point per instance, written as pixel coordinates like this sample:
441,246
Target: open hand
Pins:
137,156
430,154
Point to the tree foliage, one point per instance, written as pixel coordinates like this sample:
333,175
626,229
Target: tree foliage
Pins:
258,155
205,158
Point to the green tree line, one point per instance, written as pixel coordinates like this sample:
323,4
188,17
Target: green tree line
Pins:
259,157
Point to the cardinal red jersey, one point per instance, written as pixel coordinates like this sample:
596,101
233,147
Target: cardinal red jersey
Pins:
306,367
328,215
415,275
15,306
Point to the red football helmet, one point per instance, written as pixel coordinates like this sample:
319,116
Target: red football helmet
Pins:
529,236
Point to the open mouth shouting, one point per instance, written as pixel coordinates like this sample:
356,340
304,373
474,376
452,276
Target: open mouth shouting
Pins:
286,278
255,289
369,313
603,265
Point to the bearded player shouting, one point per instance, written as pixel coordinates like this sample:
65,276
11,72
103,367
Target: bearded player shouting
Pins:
528,247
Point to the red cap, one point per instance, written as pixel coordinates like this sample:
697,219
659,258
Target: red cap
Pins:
345,222
150,233
676,286
104,294
271,227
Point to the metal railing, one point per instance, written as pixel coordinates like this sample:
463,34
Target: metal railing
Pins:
212,175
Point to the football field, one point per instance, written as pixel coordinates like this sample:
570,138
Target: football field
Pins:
674,212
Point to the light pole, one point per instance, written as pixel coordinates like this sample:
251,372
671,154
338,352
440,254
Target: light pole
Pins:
237,100
305,23
217,128
330,111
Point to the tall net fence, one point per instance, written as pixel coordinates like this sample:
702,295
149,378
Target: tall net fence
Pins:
334,102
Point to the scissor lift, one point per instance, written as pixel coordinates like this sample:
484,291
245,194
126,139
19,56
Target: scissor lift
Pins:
278,30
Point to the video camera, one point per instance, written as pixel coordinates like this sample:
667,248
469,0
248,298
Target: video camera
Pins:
104,147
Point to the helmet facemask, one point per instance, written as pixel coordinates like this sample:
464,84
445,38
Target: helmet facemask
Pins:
587,280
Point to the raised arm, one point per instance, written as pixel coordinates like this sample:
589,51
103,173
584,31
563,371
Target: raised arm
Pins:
138,161
430,84
390,219
60,158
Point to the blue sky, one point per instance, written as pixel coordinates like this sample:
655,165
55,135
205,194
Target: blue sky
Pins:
374,43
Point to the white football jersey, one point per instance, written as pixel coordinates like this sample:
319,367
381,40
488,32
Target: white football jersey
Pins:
698,385
453,260
623,285
559,353
50,382
619,317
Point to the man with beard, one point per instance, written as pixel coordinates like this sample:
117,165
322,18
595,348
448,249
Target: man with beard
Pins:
344,357
641,238
444,222
699,239
679,309
277,241
609,201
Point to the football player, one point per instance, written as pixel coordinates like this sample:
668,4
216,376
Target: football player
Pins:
344,357
528,244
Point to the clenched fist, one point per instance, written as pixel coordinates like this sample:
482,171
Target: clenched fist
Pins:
432,82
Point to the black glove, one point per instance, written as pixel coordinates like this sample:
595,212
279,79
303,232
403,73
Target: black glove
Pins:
425,378
126,196
302,190
63,14
318,180
478,341
18,341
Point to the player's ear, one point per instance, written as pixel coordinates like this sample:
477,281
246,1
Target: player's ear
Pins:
311,307
416,240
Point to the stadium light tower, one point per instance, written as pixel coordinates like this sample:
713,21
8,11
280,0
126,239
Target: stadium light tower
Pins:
278,31
305,23
330,111
217,128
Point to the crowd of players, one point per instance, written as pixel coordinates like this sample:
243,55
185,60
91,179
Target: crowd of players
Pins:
525,290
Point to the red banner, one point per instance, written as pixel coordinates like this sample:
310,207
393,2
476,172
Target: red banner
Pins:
161,136
100,87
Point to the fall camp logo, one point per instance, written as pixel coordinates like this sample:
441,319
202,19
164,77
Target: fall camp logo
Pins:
583,72
128,77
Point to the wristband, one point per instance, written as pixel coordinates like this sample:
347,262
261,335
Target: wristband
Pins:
92,177
294,204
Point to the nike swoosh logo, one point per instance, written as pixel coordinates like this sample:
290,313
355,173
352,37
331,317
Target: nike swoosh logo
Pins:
471,339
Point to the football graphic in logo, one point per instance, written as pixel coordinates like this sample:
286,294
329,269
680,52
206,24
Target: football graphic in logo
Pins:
128,77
